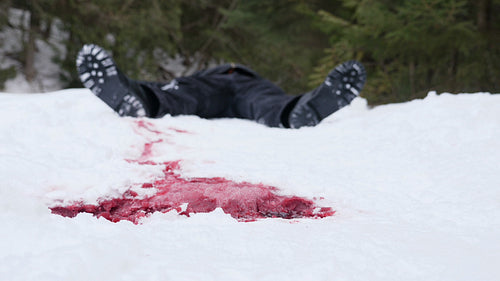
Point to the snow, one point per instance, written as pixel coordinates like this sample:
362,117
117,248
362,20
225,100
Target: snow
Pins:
415,187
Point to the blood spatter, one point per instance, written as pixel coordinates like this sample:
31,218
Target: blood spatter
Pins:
244,201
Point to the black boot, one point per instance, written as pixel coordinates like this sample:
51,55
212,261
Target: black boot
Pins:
340,87
98,72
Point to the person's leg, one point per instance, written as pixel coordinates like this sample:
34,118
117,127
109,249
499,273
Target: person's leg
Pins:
341,86
258,99
225,91
207,96
98,72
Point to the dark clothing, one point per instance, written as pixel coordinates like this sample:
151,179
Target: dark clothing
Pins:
224,91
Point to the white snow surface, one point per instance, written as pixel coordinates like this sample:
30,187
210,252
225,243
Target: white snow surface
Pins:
415,186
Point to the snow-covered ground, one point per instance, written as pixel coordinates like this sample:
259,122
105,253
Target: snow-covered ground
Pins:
415,186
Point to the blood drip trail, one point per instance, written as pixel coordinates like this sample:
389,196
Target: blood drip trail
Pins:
242,200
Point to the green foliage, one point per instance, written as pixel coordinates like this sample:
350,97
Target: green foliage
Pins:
131,29
4,5
6,74
408,46
280,39
411,47
276,38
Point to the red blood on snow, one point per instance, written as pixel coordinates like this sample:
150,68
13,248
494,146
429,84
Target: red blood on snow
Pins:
178,130
148,126
148,149
244,201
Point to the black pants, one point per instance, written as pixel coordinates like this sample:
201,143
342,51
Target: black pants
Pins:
224,91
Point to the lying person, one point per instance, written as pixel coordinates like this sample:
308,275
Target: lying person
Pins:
225,91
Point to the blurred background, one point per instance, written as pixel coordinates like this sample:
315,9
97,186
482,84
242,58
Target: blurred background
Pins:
408,47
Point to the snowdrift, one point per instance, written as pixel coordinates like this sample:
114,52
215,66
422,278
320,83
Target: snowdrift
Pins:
400,192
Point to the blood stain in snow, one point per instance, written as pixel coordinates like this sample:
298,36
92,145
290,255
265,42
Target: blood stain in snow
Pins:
244,201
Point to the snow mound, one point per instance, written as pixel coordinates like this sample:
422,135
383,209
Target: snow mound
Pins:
414,187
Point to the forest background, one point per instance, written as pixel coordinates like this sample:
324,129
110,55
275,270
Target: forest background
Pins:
408,47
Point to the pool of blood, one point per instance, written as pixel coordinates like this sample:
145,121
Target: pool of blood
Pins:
244,201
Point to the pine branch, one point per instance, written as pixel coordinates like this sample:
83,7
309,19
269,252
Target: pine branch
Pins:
222,20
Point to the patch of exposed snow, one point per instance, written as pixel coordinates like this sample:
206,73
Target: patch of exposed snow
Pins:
415,187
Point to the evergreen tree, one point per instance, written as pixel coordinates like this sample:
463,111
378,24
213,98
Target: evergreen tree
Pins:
414,46
37,25
133,30
409,47
278,39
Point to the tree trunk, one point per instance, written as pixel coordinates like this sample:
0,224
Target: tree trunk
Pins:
30,48
411,77
453,70
483,14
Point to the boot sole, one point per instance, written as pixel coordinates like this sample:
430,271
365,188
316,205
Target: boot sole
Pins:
98,72
342,85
